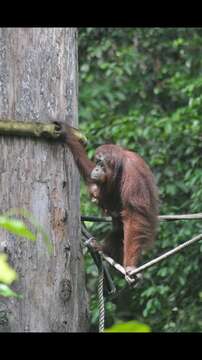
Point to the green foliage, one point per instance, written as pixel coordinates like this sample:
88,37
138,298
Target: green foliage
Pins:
5,291
7,274
19,228
130,326
24,232
141,88
16,227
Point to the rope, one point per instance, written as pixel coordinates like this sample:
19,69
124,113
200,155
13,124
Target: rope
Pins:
159,258
121,270
160,217
141,268
178,248
101,300
167,254
109,285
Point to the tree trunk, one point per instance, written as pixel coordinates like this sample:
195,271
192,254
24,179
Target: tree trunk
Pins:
38,82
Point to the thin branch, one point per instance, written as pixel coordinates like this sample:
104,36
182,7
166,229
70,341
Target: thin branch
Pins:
54,130
33,129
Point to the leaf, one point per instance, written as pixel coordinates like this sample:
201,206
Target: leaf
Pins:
7,292
7,274
130,326
16,227
26,214
163,272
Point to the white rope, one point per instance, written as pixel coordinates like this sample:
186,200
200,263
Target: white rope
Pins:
140,268
160,217
167,254
152,262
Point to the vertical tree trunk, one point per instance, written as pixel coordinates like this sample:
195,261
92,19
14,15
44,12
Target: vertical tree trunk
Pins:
38,82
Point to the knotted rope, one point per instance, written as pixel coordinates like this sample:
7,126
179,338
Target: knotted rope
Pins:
101,300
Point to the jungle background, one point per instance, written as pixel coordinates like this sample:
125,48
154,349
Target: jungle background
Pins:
142,88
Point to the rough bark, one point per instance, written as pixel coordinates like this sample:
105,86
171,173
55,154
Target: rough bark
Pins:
38,81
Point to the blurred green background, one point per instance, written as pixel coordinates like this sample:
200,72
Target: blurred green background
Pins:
142,88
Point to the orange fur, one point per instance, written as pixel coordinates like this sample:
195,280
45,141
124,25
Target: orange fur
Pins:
129,195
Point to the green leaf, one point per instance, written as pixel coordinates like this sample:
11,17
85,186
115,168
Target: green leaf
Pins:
7,292
130,326
163,272
16,227
26,214
7,274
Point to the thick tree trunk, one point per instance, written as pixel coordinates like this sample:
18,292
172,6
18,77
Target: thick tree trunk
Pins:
38,82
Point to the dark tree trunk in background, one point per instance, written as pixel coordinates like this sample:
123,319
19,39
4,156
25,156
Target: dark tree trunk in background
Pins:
38,82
